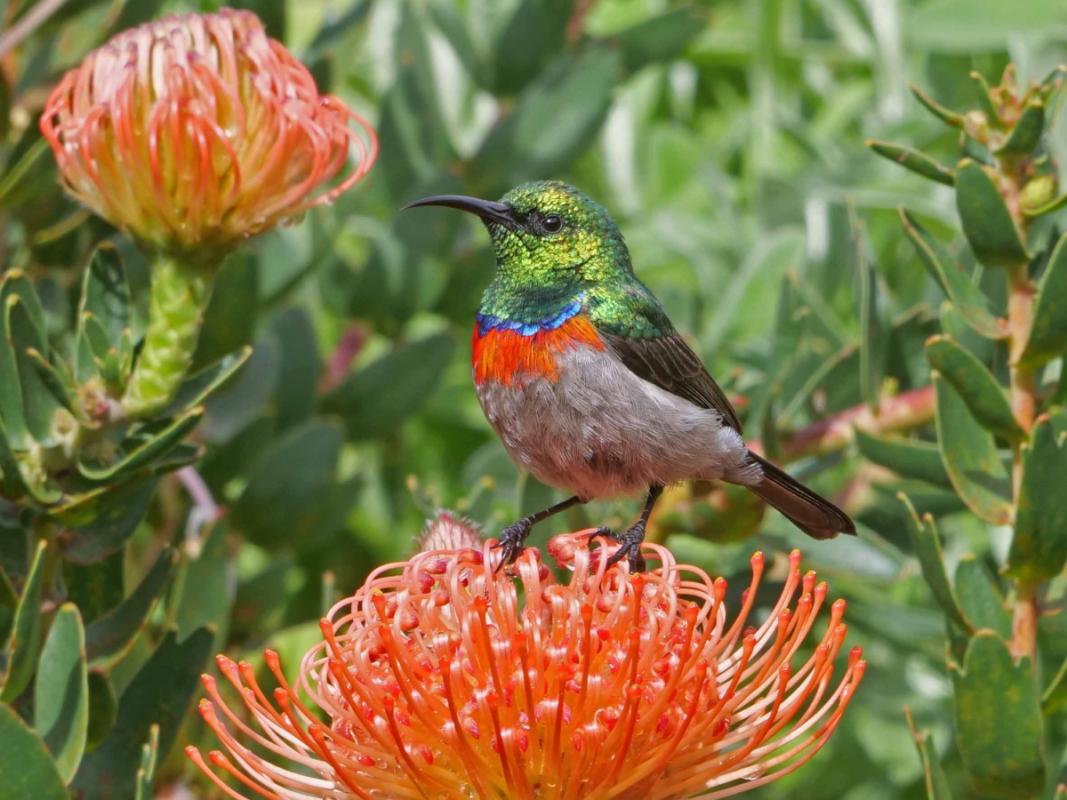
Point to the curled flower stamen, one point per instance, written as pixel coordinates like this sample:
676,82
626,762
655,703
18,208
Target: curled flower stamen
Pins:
444,677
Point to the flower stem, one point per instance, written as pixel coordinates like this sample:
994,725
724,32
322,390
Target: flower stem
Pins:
179,298
1023,405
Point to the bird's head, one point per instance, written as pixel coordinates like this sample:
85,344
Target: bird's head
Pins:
547,233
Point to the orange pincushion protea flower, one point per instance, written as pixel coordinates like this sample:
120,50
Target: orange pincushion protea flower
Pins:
195,131
444,678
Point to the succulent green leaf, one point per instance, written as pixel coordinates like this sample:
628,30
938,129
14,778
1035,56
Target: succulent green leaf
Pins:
298,379
207,589
533,34
138,451
103,708
379,397
1055,695
25,638
9,602
980,597
965,295
39,405
970,456
159,694
16,178
146,772
108,638
660,38
98,523
914,160
927,545
986,220
95,589
11,481
909,458
11,283
61,691
106,300
937,787
1048,332
26,768
975,384
985,96
55,382
198,387
1026,135
873,332
1039,546
944,114
999,728
553,119
293,494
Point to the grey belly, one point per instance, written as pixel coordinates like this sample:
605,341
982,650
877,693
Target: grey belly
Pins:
601,431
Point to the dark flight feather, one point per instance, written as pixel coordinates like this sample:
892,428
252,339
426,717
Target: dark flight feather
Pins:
669,363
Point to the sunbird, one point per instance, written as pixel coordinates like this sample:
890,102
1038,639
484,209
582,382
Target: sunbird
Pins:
586,381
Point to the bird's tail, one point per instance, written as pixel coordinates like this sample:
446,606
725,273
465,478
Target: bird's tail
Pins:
815,515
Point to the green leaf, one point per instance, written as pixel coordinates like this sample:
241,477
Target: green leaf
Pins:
298,378
937,787
661,38
146,772
198,387
149,444
982,25
61,691
25,639
965,295
1039,546
970,457
553,120
26,768
999,727
293,494
12,483
95,589
98,523
946,115
376,399
103,708
927,546
159,694
909,458
39,405
1055,696
207,588
1026,135
873,332
986,221
9,602
914,160
108,638
11,415
980,597
533,34
106,297
985,398
1048,332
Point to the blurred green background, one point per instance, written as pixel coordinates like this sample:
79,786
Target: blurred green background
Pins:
727,139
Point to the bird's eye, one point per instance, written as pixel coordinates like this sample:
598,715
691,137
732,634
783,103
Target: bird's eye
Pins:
552,223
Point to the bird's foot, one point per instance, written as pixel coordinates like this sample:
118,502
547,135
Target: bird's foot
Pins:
512,541
629,545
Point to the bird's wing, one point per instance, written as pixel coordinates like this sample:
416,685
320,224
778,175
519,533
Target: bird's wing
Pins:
669,363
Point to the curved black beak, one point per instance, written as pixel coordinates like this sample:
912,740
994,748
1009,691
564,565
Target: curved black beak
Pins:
488,210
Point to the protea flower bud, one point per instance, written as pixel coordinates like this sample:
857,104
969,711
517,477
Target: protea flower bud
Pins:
444,677
193,133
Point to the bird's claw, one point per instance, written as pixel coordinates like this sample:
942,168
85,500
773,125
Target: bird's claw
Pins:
629,546
512,542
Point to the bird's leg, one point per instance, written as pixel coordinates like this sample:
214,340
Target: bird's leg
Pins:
630,541
514,535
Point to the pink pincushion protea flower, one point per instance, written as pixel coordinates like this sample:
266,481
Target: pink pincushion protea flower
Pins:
194,131
443,677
